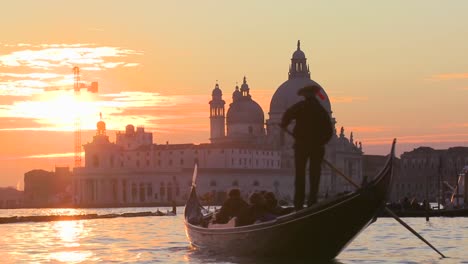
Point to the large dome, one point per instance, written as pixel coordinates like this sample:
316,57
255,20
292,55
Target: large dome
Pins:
286,95
245,110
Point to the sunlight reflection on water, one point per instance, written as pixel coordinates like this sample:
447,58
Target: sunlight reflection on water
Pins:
163,240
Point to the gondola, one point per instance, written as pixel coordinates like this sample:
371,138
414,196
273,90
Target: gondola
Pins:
322,230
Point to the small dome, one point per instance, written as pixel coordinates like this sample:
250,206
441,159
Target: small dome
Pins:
244,86
245,110
298,54
217,91
236,94
101,125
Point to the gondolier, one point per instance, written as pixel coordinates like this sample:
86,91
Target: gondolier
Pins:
313,129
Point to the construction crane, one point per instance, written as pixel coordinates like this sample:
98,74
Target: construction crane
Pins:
77,86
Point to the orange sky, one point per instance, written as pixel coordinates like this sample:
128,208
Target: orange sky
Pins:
394,69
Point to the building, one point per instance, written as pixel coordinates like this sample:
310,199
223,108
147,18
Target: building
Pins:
245,151
427,173
10,198
48,188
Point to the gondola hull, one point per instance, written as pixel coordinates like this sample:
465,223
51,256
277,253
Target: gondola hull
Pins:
321,231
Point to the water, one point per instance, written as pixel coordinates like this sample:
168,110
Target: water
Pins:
162,240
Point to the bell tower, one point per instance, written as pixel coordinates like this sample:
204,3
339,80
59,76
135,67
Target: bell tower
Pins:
217,115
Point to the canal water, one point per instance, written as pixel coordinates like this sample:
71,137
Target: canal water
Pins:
161,239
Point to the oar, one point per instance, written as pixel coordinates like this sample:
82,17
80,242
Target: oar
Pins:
390,212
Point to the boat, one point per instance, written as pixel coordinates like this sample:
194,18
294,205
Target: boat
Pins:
447,212
321,231
454,206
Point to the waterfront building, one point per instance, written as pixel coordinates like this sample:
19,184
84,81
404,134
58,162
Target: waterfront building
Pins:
47,188
245,151
10,198
431,174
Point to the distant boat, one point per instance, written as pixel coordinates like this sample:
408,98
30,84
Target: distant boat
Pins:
321,231
454,205
446,212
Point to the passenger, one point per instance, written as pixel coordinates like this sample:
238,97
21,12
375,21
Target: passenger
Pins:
415,204
254,212
271,204
426,206
231,207
406,203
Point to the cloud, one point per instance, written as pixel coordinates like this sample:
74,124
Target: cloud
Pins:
420,139
49,56
453,125
42,156
48,66
34,75
21,88
9,123
367,129
58,110
449,76
51,155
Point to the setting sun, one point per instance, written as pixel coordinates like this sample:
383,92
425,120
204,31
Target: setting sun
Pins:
58,110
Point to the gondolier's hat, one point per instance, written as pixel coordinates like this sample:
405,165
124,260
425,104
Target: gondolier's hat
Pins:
309,90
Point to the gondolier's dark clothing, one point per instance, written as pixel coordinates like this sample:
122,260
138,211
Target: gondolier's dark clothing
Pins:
312,131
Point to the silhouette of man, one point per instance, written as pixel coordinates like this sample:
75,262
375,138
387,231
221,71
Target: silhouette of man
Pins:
312,131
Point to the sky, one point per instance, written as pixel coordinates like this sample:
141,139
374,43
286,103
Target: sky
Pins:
393,69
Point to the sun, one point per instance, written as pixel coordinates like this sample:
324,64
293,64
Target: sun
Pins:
60,110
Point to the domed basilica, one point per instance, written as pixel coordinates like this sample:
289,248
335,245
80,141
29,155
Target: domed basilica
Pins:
245,121
246,152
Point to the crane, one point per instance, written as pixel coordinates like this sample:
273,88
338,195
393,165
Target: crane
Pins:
77,86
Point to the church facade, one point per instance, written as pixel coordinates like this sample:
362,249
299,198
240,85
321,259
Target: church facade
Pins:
245,151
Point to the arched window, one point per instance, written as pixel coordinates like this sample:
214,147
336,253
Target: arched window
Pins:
134,191
124,191
142,192
162,189
114,190
169,191
235,183
256,183
213,183
149,189
95,161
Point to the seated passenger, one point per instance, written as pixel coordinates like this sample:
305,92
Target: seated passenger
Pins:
254,212
271,204
231,207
